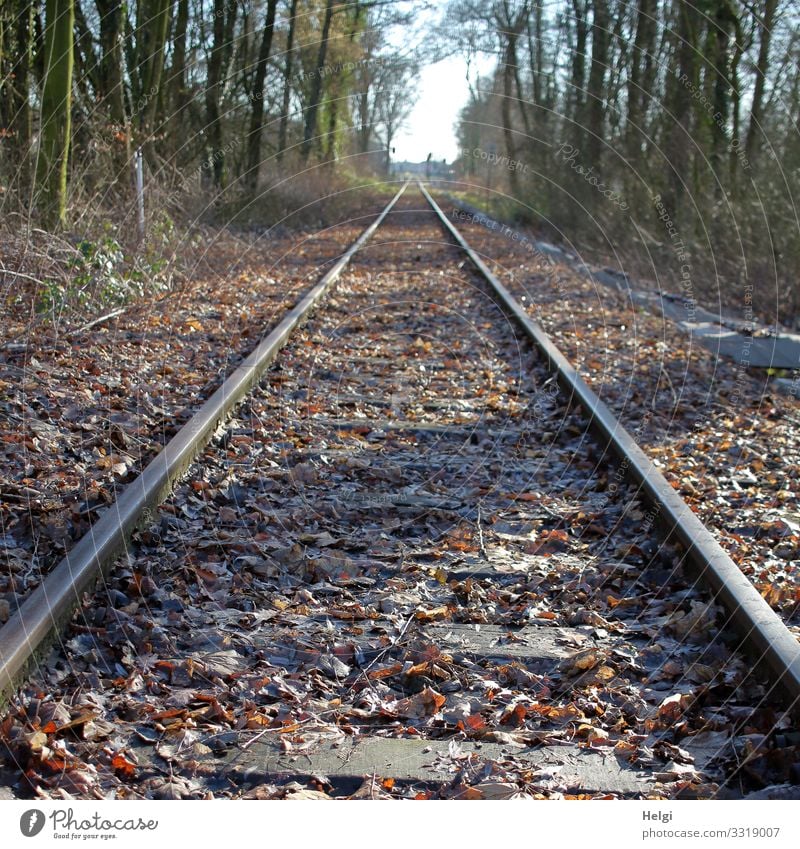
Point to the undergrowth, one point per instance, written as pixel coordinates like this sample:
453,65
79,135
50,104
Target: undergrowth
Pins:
63,281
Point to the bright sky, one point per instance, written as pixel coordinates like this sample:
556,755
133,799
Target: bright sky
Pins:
443,93
431,127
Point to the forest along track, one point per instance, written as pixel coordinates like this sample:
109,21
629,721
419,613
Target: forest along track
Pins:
401,564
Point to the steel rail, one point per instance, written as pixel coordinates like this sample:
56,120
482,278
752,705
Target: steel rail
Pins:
762,631
35,625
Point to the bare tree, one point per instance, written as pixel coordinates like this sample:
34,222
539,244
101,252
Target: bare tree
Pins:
766,25
257,97
310,130
51,167
393,103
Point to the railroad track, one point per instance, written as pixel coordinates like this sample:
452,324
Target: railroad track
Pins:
399,563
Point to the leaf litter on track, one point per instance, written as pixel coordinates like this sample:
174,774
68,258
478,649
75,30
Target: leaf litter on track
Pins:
402,536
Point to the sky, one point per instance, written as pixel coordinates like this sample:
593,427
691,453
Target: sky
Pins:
442,91
431,126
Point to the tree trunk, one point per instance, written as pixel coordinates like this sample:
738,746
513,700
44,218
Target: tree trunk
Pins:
7,51
179,97
641,79
578,69
257,95
723,21
51,166
505,111
680,87
537,55
388,156
153,33
111,62
595,93
333,117
20,117
87,65
224,17
509,27
365,127
287,82
762,68
212,93
736,108
520,25
316,86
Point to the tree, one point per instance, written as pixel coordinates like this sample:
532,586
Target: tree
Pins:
257,96
683,81
393,103
595,108
152,30
287,81
179,96
218,61
17,37
56,111
111,87
722,25
310,130
766,25
641,79
536,53
577,85
511,22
